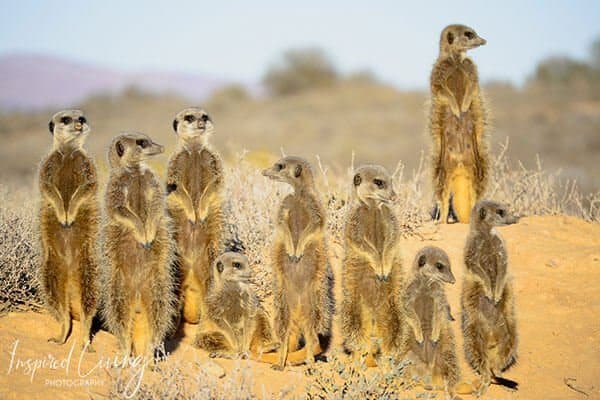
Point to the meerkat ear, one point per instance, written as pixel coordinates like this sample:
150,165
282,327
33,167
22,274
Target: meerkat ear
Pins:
120,149
482,213
51,127
220,267
450,37
171,187
175,123
422,260
298,171
357,179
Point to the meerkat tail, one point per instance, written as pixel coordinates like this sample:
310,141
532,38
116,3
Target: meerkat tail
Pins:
497,380
463,197
294,358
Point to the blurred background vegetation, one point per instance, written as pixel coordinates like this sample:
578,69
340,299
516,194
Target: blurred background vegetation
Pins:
307,107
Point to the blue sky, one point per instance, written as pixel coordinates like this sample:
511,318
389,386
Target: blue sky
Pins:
237,40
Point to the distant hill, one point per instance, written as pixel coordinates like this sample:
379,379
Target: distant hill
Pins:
37,81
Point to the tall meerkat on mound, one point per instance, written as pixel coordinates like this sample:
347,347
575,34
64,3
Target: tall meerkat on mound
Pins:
69,223
457,122
429,341
488,308
140,296
302,275
194,185
372,269
235,323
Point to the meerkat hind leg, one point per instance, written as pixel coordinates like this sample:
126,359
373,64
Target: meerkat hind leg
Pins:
66,323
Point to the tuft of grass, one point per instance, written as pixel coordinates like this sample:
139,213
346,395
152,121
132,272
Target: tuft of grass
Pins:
19,252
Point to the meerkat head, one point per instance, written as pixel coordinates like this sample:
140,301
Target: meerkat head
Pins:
488,214
232,267
132,149
69,128
457,39
433,263
193,124
293,170
373,185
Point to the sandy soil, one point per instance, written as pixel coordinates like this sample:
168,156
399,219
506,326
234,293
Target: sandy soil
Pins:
555,262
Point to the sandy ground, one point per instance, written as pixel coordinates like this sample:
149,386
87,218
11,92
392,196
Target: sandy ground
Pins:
555,262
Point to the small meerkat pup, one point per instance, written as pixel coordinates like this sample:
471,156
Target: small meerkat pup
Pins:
488,309
302,275
69,223
429,342
194,200
457,121
139,295
372,269
235,323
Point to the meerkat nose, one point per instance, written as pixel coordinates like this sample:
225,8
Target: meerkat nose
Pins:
78,126
483,41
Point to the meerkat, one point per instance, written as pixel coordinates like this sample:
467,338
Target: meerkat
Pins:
194,185
372,269
429,341
139,295
303,280
457,121
235,323
488,309
69,223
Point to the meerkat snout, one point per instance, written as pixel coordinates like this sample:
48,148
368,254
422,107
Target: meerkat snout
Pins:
192,122
460,38
232,266
373,182
434,263
292,170
491,213
68,125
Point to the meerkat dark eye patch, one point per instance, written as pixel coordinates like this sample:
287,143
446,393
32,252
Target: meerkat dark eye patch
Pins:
51,127
171,187
143,143
469,35
422,260
189,118
298,171
175,123
357,180
66,120
206,118
450,37
279,166
237,265
439,266
220,266
501,213
120,149
82,120
482,213
379,183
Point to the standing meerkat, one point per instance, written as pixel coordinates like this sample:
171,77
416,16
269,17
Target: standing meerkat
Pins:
488,309
235,323
69,221
429,342
372,269
303,280
457,121
194,200
140,298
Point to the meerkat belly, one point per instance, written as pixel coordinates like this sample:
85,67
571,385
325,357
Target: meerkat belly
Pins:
298,219
197,177
73,287
459,150
457,82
